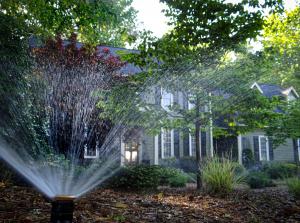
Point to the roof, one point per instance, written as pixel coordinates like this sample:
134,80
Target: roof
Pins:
271,90
127,69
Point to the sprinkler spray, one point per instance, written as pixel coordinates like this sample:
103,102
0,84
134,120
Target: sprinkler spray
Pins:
62,209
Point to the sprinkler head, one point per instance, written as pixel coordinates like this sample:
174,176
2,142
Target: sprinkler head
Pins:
62,209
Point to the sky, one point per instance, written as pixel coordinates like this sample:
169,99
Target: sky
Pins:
151,17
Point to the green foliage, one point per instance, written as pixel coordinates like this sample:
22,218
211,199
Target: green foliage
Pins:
281,46
219,176
256,179
139,177
239,169
178,181
215,23
278,170
294,186
16,109
248,158
143,177
109,22
172,177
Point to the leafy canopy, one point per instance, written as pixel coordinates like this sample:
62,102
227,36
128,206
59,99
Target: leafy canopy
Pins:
99,21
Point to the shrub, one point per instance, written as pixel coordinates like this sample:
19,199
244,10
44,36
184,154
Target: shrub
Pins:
187,163
166,173
191,177
136,177
259,180
219,176
239,169
280,170
248,158
294,187
178,181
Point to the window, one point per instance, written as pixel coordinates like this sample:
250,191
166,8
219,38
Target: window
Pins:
191,103
131,152
166,99
91,153
192,145
167,143
263,148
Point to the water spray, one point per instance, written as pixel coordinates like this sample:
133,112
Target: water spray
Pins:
62,209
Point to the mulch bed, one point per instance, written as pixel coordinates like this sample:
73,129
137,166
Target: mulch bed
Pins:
23,204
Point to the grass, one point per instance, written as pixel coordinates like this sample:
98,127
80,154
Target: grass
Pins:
294,186
219,176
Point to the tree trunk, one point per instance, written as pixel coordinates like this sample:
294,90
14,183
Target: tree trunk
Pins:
197,142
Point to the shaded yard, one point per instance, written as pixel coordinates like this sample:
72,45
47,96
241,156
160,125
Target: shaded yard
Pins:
20,204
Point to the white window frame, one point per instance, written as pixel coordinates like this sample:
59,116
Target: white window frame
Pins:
267,147
190,144
86,156
162,143
167,108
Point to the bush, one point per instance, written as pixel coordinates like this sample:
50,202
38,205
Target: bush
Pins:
239,169
259,180
178,181
143,177
294,187
187,163
248,158
136,178
280,170
219,176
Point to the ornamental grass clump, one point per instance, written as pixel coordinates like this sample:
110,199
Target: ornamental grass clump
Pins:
294,187
219,176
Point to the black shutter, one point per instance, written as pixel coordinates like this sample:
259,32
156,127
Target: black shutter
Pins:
203,144
186,144
176,143
157,95
271,152
296,151
256,148
175,98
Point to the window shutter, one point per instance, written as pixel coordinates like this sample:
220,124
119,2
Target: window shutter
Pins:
176,143
256,148
296,150
175,98
203,144
271,153
157,95
186,143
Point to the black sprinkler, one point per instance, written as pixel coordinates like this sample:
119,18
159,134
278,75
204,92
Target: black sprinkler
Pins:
62,209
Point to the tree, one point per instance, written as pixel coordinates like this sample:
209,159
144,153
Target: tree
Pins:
73,79
281,47
97,22
19,115
209,29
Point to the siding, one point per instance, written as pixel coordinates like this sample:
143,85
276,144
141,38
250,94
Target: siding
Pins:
284,152
148,149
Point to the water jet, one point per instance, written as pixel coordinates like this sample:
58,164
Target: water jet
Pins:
62,209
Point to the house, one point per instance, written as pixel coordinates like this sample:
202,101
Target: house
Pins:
177,145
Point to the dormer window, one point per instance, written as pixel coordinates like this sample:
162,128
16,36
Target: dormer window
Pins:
291,97
166,99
